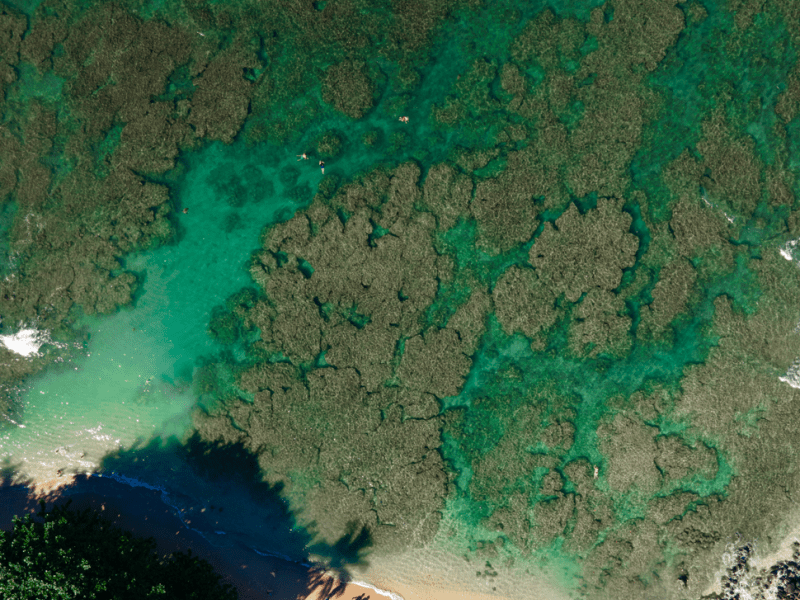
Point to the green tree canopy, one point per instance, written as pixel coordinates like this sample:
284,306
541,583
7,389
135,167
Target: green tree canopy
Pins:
71,554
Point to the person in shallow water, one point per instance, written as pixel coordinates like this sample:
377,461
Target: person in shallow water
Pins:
302,156
322,166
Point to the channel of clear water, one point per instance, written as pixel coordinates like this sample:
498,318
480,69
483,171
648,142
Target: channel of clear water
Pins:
133,379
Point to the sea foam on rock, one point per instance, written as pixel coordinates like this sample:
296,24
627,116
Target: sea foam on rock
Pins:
26,342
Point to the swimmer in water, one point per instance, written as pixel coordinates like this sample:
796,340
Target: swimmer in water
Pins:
302,156
322,166
185,210
404,119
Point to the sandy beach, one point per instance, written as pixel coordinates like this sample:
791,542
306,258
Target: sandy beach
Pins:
142,512
433,574
257,577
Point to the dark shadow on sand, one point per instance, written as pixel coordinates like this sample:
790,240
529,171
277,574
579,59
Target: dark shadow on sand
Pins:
142,511
232,467
229,468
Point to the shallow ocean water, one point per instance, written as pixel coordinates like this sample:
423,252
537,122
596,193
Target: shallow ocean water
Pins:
133,378
142,359
126,396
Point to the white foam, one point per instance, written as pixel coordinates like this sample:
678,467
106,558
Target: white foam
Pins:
281,556
792,376
788,249
7,418
391,595
750,582
25,342
132,482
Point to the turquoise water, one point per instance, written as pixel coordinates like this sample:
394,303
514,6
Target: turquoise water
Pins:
134,375
121,394
26,6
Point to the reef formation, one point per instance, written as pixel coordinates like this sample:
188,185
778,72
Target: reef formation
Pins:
558,311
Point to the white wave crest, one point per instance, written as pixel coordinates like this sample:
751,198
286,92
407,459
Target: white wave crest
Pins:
788,249
25,342
390,595
792,376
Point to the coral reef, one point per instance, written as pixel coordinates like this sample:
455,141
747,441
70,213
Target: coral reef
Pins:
558,298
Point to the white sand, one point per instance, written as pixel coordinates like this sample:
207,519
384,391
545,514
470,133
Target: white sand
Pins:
434,573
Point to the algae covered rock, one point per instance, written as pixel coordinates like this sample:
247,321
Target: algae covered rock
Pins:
348,88
433,363
601,324
447,194
329,145
523,302
506,206
582,252
353,404
220,103
580,259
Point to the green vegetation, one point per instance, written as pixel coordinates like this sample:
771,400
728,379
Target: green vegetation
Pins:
70,554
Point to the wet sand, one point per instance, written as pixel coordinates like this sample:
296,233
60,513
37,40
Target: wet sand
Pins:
408,578
435,592
142,512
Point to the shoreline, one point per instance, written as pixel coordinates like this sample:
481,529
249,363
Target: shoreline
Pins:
141,509
437,574
146,510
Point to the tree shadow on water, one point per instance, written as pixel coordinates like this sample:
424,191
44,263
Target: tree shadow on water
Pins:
7,471
349,550
228,476
14,496
141,489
